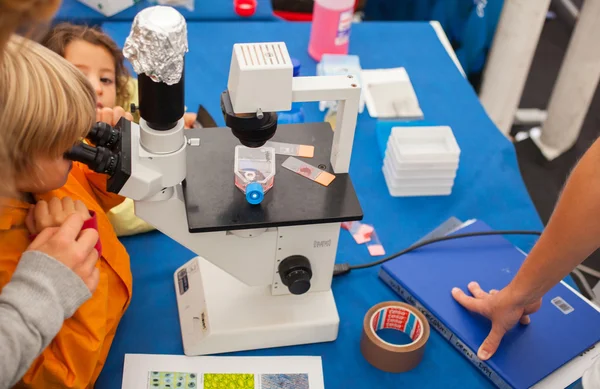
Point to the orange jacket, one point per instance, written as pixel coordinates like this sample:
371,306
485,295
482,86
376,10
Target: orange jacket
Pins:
77,354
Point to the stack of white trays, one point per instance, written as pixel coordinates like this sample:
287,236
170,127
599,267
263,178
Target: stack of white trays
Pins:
421,161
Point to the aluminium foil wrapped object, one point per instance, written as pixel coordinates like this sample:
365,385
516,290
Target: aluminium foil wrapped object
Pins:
157,44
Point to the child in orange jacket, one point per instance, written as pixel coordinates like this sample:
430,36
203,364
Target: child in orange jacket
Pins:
37,83
100,59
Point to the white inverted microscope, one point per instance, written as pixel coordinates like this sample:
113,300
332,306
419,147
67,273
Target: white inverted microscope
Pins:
264,272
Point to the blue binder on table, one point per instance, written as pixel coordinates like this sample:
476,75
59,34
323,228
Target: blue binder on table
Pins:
565,326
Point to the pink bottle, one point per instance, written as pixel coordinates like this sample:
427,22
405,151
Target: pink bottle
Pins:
330,29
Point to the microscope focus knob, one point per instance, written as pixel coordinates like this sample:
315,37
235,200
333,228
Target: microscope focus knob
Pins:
295,272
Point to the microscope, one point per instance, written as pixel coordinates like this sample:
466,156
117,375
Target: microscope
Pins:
264,272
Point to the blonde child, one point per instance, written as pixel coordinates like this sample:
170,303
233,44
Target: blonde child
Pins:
46,106
56,274
100,59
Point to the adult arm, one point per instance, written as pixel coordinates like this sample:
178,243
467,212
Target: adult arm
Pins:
41,295
572,234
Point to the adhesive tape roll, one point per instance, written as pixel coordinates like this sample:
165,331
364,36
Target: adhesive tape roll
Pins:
394,358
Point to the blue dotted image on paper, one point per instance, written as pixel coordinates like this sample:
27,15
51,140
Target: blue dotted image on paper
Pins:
172,380
284,381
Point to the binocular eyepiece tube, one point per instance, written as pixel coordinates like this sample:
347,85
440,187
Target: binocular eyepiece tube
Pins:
100,158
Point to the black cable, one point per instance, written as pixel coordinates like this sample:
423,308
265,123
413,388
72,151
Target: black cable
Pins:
345,268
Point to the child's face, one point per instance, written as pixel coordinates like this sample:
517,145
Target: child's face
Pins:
47,174
98,65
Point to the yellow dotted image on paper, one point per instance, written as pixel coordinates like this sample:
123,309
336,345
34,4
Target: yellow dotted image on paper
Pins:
229,381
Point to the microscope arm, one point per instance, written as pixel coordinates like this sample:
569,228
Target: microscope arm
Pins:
346,91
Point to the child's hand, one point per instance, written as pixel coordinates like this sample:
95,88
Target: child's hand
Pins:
53,213
72,247
189,119
112,115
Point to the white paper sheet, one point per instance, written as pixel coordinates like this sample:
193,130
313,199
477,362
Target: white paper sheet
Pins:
145,371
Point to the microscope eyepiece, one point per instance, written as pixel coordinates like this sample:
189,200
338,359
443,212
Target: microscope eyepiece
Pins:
251,130
104,135
99,159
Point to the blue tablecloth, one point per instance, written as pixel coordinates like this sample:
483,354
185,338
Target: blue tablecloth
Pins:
205,10
488,187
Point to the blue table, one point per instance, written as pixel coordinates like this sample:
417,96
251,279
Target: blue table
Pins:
488,187
204,10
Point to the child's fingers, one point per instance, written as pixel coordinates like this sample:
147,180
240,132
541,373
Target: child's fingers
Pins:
98,114
189,119
118,113
41,215
56,210
82,209
30,220
68,206
129,116
106,115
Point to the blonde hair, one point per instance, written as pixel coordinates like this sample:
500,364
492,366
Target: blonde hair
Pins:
46,106
26,15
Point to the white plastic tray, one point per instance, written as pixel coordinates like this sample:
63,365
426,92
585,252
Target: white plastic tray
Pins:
414,191
428,173
425,143
404,164
390,94
403,182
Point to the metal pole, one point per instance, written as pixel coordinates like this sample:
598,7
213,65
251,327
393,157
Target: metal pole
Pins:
510,58
576,85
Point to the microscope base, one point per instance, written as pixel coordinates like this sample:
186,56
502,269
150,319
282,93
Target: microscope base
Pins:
220,314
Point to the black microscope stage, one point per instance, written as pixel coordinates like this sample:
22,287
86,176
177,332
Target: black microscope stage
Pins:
214,203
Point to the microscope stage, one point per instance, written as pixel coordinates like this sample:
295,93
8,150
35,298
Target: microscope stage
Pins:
214,203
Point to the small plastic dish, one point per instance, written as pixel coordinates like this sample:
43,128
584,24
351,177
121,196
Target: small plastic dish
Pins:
426,143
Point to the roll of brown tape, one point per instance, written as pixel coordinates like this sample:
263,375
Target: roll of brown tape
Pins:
394,358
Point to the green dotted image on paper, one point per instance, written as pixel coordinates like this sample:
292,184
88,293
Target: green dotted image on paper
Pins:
172,380
228,381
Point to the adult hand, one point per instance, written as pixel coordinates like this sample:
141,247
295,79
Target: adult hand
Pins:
72,247
502,307
53,213
112,115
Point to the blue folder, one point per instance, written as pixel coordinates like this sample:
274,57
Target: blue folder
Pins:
564,327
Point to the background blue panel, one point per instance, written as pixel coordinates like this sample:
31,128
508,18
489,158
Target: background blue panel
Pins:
469,24
488,187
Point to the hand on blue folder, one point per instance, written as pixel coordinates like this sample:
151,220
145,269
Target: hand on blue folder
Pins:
502,307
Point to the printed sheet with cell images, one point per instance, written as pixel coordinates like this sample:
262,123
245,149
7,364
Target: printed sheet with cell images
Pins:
145,371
